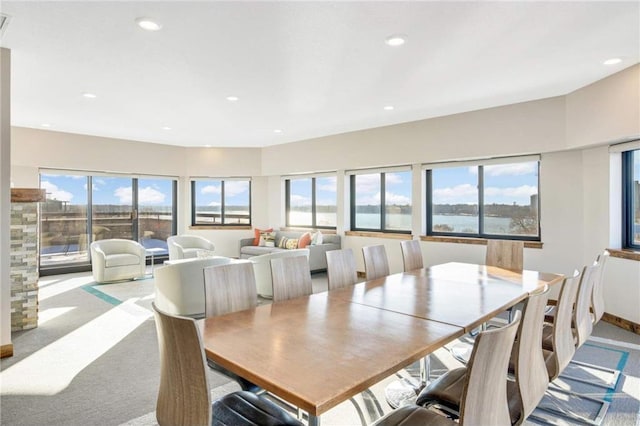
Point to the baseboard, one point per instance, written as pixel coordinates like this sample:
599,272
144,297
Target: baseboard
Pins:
6,350
622,323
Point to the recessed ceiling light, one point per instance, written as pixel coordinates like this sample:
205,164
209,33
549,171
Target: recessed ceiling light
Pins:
388,108
277,131
207,146
166,128
148,24
396,40
46,125
89,95
232,98
612,61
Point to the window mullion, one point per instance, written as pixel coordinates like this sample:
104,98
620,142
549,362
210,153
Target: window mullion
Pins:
222,203
383,202
313,202
480,200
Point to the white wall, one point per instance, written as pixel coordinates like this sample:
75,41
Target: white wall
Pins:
5,197
574,186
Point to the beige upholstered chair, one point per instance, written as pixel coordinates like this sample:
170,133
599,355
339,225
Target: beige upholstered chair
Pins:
506,254
411,255
230,288
291,278
483,398
189,246
179,285
341,268
184,398
117,260
527,363
376,264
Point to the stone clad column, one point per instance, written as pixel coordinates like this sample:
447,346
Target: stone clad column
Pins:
24,257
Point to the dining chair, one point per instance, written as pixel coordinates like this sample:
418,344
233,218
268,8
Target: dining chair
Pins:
571,327
184,398
506,254
526,363
411,255
230,288
291,278
376,264
483,390
341,269
597,295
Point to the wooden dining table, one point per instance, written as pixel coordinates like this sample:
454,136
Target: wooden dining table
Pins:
319,350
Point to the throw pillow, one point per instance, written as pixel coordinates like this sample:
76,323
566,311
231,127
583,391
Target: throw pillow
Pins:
305,240
267,239
283,242
316,238
292,243
256,233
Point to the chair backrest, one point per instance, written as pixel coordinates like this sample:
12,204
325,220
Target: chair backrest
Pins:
582,313
531,374
484,396
411,255
597,295
291,278
183,396
376,264
177,243
564,346
341,268
229,288
506,254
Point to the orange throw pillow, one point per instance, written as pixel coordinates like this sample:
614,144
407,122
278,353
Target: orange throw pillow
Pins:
257,232
305,240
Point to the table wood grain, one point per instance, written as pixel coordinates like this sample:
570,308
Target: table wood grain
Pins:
317,351
465,295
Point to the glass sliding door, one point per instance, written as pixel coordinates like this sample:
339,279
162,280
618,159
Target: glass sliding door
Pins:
112,208
83,208
63,220
156,216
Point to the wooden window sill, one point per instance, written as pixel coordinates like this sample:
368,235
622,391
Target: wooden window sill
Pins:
371,234
471,240
625,254
228,227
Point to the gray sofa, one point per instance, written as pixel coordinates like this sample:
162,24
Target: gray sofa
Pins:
317,257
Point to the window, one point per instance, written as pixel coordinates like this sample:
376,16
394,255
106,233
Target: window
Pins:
311,202
631,198
111,206
381,202
221,202
484,200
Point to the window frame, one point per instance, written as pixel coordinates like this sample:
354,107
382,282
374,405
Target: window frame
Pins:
628,222
383,200
222,223
314,206
428,170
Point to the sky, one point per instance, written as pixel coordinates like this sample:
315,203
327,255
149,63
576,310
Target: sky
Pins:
209,193
107,190
326,194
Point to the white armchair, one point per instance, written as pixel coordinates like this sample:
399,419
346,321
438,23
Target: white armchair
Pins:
180,285
117,260
262,269
188,246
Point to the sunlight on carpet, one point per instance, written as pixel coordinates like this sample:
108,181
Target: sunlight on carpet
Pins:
38,375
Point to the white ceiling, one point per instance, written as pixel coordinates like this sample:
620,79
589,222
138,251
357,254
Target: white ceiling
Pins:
308,68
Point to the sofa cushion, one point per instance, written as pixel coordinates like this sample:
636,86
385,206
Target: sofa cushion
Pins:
316,238
257,250
292,243
122,259
267,239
